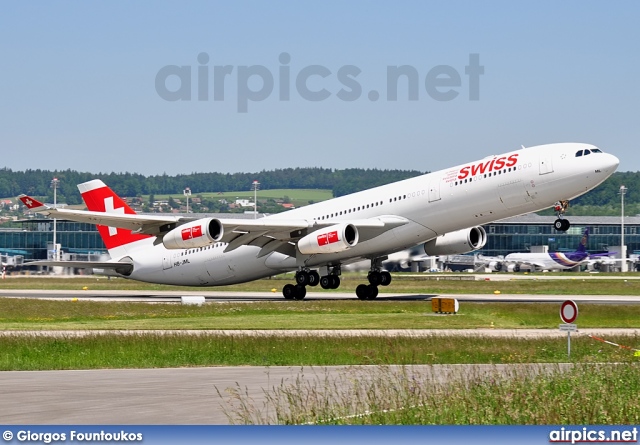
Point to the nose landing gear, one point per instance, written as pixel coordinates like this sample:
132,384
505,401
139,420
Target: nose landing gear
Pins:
561,224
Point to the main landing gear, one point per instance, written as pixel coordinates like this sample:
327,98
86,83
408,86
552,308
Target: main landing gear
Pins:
561,224
331,280
306,278
376,278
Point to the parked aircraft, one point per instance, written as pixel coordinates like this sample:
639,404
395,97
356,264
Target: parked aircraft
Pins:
444,210
548,260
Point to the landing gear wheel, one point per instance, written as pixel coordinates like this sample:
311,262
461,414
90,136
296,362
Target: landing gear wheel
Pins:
325,282
302,278
561,225
314,278
301,292
362,291
330,282
374,278
294,292
366,291
385,278
560,207
288,291
558,224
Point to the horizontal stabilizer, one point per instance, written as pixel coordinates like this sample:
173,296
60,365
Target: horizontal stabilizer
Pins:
121,268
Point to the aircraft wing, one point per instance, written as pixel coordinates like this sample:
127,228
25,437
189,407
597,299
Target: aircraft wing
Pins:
525,262
147,224
156,225
236,232
607,260
531,263
278,234
602,255
290,229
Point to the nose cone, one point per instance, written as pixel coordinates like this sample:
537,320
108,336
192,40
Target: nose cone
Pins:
612,162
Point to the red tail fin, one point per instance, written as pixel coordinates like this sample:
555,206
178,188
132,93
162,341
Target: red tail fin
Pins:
100,198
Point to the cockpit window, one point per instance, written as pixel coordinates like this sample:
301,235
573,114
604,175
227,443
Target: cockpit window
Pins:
587,151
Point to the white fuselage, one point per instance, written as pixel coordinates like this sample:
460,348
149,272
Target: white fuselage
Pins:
467,195
546,261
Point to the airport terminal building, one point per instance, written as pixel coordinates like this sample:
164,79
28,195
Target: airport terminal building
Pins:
34,241
524,233
81,241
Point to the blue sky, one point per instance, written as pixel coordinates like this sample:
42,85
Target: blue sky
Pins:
79,83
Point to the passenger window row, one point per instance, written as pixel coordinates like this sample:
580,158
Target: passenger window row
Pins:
200,249
486,175
345,212
367,206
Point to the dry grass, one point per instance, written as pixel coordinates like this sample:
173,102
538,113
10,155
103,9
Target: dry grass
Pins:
385,395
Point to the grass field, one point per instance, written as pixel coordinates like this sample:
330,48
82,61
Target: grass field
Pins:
37,314
585,394
143,350
154,350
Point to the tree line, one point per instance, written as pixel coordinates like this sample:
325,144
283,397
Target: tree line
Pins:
340,182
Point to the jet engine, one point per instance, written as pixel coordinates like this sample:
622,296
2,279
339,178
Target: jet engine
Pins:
199,233
460,241
332,239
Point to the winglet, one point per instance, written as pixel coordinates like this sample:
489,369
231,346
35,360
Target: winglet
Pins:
33,204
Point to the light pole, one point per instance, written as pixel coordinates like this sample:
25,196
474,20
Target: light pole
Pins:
255,186
54,184
187,193
623,253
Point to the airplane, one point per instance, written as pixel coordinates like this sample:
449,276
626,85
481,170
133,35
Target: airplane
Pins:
549,260
443,210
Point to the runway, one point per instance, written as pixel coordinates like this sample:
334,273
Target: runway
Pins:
249,297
